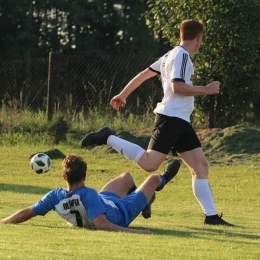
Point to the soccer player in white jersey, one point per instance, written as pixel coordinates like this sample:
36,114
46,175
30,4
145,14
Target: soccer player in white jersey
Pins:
172,128
112,209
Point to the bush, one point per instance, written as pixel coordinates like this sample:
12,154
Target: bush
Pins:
57,129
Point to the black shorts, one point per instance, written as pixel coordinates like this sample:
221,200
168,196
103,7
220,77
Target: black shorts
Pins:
173,133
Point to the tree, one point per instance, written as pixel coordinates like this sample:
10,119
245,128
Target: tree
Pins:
79,27
229,52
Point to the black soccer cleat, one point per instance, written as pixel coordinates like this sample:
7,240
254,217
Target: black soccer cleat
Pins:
216,220
172,170
99,137
147,211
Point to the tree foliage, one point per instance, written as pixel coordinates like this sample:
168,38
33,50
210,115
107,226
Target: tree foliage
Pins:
78,27
229,53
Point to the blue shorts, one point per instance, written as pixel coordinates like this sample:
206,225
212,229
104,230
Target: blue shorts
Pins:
132,204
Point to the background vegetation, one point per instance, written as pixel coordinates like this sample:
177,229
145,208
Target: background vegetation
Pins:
230,53
77,27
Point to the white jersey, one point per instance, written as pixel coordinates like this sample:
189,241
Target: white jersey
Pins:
176,65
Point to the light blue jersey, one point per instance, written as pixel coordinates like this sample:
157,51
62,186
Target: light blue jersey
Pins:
82,205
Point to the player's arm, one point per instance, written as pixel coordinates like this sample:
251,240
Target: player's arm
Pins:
120,99
101,223
182,88
20,216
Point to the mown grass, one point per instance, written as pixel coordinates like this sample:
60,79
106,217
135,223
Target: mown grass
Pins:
177,220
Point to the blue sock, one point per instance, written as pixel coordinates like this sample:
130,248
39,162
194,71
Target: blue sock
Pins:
163,183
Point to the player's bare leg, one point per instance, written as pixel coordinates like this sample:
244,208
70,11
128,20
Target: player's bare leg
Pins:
151,160
197,163
167,175
156,182
120,185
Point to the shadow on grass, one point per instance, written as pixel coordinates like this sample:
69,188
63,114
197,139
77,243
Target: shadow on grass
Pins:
215,233
59,226
23,188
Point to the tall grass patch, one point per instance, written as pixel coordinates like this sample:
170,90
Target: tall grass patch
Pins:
23,126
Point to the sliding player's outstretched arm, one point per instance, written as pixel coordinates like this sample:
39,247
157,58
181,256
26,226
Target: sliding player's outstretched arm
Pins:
101,223
20,216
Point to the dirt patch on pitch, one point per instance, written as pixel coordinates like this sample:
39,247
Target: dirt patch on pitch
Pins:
229,145
202,133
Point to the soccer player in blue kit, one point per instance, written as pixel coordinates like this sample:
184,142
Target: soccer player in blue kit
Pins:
172,128
112,209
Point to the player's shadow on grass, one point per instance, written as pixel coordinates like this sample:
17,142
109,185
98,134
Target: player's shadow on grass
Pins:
230,233
23,188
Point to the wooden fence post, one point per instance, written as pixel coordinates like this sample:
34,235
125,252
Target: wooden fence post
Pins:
211,111
50,105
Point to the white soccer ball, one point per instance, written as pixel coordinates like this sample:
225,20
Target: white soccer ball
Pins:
40,163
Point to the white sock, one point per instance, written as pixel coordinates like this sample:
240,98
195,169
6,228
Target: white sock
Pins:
203,194
129,150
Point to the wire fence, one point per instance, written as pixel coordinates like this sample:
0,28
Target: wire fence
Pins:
24,84
78,83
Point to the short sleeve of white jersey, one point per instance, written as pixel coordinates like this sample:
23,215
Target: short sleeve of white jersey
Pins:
179,67
156,66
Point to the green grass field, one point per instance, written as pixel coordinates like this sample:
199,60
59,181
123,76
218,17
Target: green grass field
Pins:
177,220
